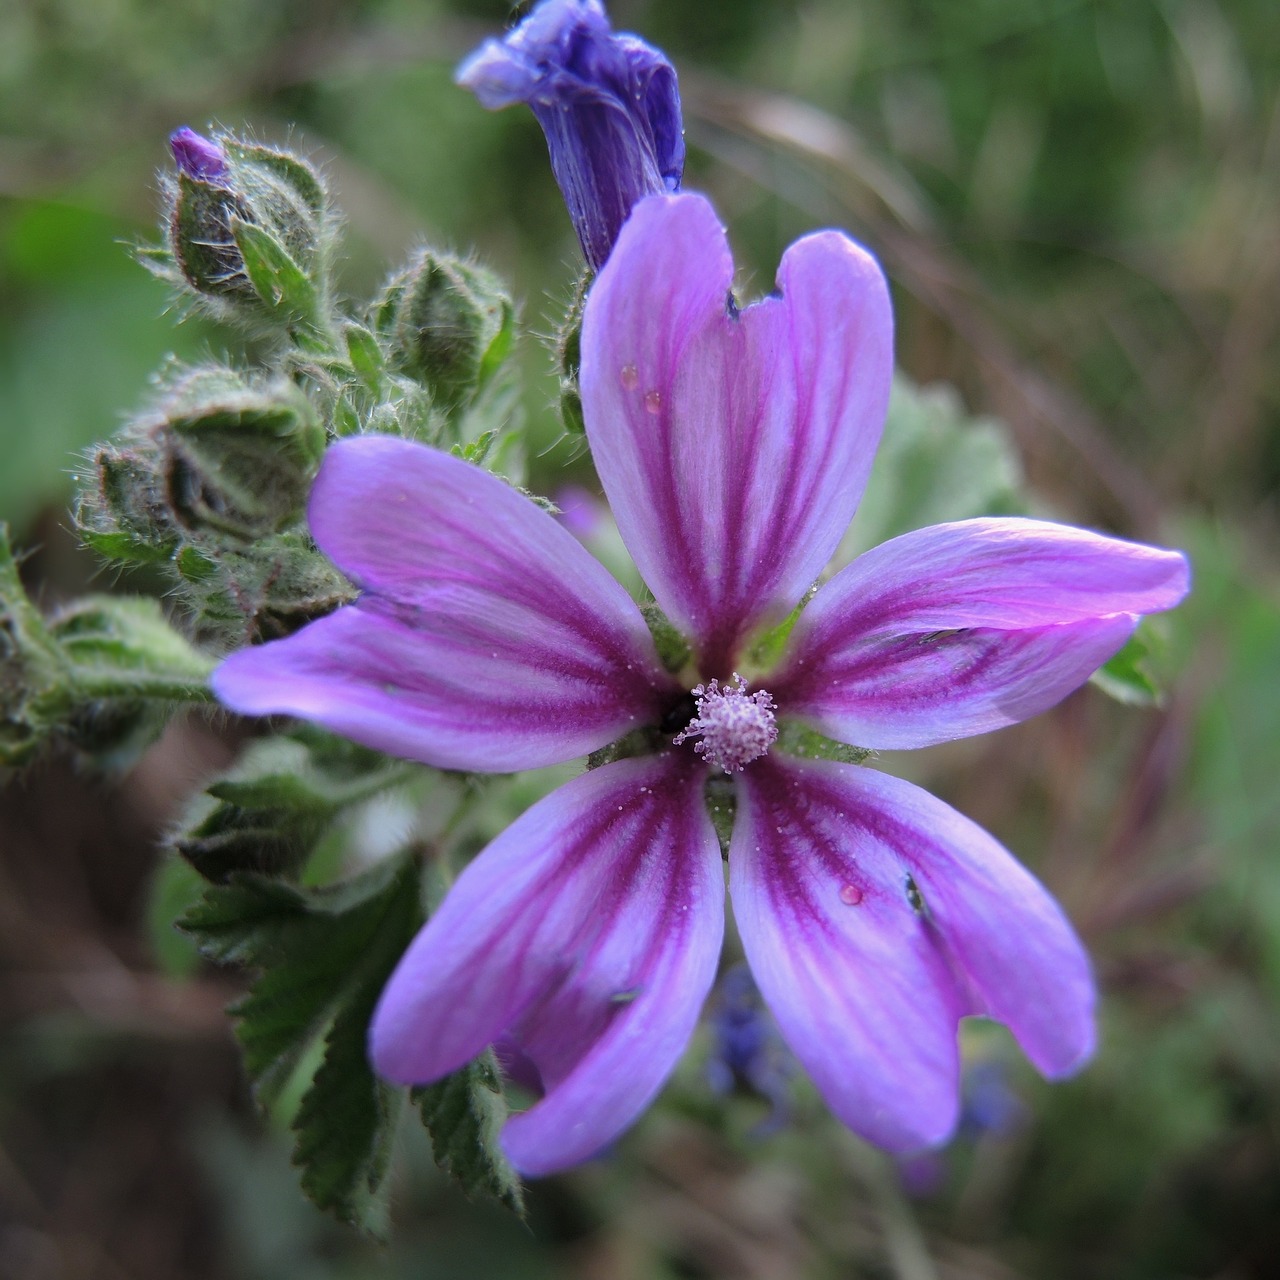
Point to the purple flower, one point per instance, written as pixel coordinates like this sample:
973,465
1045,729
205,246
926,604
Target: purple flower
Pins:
607,103
197,156
733,446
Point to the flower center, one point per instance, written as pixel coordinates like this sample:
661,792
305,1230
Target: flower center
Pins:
735,727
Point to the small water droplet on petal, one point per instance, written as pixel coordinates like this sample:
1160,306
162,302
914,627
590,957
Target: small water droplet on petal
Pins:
629,377
851,895
653,402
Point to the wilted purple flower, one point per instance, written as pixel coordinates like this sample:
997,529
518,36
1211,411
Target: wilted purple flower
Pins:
607,102
733,446
196,155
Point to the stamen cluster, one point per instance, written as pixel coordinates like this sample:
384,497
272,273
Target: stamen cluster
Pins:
735,727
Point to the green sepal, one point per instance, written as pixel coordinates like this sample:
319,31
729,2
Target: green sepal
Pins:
673,649
798,739
123,510
280,283
365,356
464,1113
252,245
721,799
264,590
194,566
638,742
124,647
218,453
200,240
765,653
124,547
238,456
31,666
322,957
296,174
477,450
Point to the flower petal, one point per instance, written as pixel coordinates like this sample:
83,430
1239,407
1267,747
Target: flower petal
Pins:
733,446
487,637
866,987
962,628
860,989
1009,942
584,939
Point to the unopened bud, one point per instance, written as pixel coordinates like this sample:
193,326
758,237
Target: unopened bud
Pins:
569,359
448,324
239,457
217,454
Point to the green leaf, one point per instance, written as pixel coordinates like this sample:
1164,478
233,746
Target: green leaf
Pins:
175,888
1131,676
270,812
347,1122
464,1114
322,958
935,464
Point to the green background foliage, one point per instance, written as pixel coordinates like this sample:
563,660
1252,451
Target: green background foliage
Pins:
1077,203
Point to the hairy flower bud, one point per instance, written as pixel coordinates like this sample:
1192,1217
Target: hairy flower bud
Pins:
218,454
447,324
569,358
94,675
247,229
608,104
239,457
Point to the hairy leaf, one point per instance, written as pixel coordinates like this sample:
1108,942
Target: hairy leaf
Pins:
464,1113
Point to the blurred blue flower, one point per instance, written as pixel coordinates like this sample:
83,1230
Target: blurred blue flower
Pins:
608,104
747,1051
988,1103
990,1108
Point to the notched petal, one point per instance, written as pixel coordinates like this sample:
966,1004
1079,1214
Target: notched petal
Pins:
583,941
733,446
874,916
